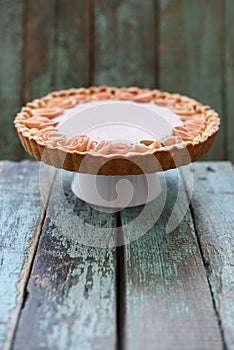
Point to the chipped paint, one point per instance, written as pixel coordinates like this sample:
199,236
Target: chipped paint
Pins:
20,202
166,284
72,286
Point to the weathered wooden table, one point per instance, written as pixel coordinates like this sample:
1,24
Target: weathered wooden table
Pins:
166,290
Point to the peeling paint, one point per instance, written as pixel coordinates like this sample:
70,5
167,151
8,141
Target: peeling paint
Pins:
17,257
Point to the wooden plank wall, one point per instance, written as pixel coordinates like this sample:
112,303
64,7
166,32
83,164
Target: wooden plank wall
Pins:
177,45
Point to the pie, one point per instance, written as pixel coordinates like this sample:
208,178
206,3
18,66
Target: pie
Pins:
186,139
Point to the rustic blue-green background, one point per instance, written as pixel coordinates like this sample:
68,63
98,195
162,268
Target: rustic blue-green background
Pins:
176,45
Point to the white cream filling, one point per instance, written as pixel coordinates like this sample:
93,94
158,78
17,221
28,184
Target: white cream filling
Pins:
119,120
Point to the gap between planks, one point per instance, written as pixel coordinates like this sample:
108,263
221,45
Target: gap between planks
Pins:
120,288
206,267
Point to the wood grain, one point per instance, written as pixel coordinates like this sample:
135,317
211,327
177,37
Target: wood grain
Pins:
178,290
213,209
71,291
191,54
168,301
21,216
39,43
71,51
11,46
228,70
125,38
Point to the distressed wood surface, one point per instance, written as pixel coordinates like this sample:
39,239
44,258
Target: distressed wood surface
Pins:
213,210
11,46
174,289
125,41
191,44
228,70
21,216
71,291
168,300
71,51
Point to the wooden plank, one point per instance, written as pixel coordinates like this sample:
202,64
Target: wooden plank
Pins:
11,39
213,210
71,291
21,217
39,59
191,54
125,42
168,301
229,79
72,44
57,46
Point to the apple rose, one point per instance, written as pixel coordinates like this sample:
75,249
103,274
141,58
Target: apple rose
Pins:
77,143
48,112
39,122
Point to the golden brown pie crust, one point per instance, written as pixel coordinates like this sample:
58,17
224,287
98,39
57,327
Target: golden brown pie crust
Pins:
190,142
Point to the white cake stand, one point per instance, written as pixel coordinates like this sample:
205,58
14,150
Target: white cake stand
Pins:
116,191
118,121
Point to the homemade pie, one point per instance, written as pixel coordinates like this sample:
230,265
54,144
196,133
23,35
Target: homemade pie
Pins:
191,130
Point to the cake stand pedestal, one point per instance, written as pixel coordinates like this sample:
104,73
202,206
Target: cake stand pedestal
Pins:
116,191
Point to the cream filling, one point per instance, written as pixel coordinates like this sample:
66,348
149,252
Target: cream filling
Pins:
118,121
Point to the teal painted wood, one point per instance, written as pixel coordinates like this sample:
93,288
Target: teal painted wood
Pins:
168,301
71,291
39,43
11,46
213,209
55,44
125,43
71,51
191,54
21,215
228,39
